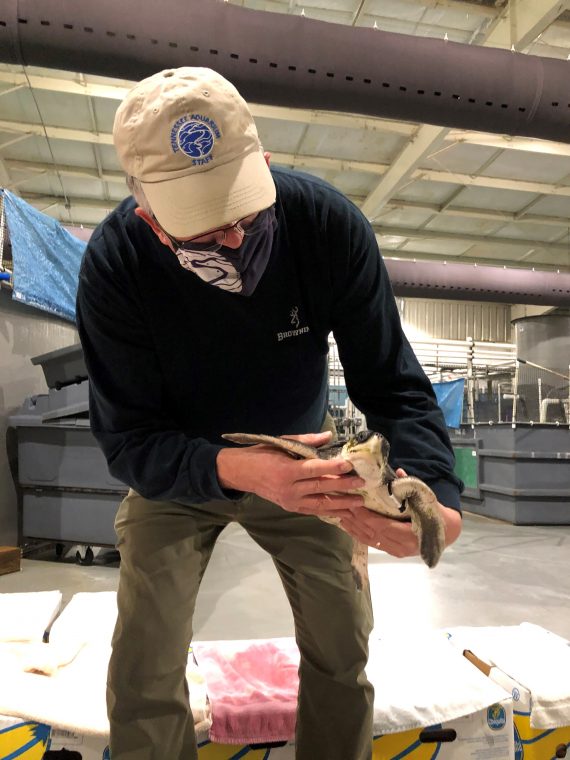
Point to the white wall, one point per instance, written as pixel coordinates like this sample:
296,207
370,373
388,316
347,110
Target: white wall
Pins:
424,318
24,333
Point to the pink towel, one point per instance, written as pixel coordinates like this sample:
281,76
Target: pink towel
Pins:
252,688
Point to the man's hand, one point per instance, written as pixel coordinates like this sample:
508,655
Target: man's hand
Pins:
306,486
394,537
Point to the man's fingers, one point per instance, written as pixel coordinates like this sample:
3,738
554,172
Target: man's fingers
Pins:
316,468
352,525
329,504
328,485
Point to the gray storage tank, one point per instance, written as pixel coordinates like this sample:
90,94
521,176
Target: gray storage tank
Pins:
545,340
520,471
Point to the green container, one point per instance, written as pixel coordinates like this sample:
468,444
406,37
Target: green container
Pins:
467,465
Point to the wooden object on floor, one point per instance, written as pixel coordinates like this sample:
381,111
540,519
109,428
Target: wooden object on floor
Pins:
10,559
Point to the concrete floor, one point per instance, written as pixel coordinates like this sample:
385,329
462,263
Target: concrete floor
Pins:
496,574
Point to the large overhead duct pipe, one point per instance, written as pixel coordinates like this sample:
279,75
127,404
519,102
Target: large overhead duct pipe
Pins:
290,60
465,282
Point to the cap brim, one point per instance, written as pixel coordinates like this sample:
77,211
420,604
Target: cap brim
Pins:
187,206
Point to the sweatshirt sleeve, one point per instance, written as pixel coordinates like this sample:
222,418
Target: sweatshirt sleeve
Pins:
143,448
383,376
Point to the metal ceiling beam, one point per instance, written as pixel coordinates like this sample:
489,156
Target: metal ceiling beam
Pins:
473,8
331,119
56,202
459,5
394,204
388,253
13,141
435,175
57,133
302,116
45,201
299,161
507,142
426,140
426,234
523,21
474,213
500,183
62,84
69,171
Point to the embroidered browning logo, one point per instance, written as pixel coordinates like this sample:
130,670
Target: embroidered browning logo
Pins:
295,316
295,322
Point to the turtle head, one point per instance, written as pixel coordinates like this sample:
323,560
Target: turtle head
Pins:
368,452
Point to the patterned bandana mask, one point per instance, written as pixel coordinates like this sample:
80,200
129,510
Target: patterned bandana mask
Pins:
236,270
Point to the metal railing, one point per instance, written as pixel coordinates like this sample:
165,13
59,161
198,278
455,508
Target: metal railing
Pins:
499,387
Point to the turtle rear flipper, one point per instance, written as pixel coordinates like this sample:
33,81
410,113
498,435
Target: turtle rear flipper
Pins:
425,515
294,448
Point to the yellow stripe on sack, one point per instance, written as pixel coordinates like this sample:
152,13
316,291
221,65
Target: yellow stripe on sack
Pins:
539,743
24,741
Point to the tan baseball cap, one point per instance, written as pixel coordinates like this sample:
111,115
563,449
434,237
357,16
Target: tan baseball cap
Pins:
189,137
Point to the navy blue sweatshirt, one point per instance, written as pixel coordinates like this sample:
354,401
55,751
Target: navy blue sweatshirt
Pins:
174,362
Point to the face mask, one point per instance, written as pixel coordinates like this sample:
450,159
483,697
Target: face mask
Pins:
236,270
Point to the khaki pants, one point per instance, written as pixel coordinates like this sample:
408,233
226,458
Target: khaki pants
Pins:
165,548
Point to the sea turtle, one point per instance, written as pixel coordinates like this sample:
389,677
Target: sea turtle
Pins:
406,499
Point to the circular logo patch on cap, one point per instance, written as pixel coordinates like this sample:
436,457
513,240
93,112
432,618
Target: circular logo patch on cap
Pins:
194,136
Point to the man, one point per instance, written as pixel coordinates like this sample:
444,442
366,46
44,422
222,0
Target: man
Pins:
203,308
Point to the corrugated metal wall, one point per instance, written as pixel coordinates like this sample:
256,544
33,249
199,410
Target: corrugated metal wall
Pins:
455,320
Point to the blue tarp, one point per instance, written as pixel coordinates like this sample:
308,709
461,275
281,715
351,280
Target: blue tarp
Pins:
450,398
46,258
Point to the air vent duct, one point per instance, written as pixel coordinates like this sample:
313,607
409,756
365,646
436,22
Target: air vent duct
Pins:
464,282
290,60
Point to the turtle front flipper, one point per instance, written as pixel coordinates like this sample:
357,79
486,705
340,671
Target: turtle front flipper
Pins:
426,518
294,448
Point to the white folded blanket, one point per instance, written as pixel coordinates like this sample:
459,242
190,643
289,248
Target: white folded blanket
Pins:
73,697
35,657
87,618
538,659
63,683
25,617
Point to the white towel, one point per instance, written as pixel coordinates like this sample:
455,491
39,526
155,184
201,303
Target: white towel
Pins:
421,681
63,683
74,696
534,657
25,617
88,618
35,657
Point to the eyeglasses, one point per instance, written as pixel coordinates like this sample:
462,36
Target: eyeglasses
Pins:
249,225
